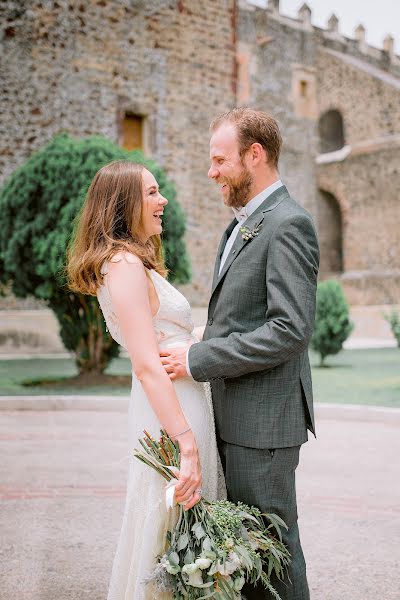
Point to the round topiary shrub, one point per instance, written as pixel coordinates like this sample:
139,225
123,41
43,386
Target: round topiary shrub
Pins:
332,326
38,206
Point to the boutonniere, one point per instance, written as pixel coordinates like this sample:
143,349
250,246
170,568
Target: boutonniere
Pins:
249,234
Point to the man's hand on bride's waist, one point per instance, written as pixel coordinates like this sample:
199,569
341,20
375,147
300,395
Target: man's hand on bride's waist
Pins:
174,361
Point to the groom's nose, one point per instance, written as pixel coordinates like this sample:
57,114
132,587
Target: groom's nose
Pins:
212,172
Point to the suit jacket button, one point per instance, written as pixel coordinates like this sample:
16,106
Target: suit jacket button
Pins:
210,321
233,251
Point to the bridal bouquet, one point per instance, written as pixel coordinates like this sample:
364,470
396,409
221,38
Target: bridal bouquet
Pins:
216,546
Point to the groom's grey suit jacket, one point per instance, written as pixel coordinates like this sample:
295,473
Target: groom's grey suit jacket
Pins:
260,319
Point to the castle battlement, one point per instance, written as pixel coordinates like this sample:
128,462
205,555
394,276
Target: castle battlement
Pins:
384,58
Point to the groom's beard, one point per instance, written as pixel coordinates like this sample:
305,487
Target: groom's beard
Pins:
239,189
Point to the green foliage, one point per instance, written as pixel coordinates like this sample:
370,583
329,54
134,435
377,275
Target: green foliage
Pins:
38,205
332,326
394,321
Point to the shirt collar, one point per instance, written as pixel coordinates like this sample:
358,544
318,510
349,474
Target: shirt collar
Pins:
244,212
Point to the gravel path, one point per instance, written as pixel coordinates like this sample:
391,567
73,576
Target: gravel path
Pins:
62,493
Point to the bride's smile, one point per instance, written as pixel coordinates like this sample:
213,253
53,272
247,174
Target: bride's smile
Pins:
153,206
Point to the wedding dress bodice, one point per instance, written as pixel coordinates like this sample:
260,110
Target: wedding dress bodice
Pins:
173,323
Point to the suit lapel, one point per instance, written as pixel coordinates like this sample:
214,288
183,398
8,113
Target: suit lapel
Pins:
253,221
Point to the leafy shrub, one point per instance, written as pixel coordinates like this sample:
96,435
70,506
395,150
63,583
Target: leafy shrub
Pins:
394,321
332,326
38,205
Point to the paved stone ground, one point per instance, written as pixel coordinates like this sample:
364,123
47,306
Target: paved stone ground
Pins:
62,492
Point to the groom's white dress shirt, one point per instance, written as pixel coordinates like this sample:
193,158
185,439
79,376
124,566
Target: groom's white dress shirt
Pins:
242,214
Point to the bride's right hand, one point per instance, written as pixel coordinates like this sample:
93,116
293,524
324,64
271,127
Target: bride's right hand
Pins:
189,484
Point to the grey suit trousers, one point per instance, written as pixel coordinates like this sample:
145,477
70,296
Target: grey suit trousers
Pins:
266,478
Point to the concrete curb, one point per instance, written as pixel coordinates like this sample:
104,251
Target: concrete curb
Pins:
357,412
341,412
53,402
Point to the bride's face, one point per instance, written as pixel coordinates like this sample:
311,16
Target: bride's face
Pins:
153,206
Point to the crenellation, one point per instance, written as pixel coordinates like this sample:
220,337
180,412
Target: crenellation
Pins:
304,15
333,24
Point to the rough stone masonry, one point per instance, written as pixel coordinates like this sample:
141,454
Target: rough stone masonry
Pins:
82,66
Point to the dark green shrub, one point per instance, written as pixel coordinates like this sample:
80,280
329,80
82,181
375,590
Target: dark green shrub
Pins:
394,321
332,326
38,205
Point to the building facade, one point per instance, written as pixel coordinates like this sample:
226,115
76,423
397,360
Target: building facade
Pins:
153,74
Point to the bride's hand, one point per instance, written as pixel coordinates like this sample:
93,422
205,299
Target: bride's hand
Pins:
188,488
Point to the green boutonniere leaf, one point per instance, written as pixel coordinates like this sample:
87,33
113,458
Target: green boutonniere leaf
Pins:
249,234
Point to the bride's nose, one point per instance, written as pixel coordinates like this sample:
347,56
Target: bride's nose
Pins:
163,201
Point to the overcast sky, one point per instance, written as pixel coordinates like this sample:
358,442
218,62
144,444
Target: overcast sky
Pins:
379,17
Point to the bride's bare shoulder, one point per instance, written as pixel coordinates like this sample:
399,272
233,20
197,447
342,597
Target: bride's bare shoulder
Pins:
126,257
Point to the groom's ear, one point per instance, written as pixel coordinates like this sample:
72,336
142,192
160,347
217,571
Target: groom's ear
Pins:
257,154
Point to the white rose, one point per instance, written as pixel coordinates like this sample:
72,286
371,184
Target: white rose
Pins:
190,568
192,575
231,565
203,563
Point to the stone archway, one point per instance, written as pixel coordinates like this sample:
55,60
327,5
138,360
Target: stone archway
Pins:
330,233
331,131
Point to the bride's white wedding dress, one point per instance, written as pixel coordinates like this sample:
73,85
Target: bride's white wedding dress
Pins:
146,518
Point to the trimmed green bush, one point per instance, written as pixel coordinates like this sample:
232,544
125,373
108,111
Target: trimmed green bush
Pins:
394,321
38,205
332,326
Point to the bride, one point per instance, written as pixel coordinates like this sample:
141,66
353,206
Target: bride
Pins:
116,254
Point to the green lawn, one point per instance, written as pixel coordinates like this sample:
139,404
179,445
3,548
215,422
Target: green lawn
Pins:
359,377
351,377
14,372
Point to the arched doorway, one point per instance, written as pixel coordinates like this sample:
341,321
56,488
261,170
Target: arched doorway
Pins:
330,233
331,131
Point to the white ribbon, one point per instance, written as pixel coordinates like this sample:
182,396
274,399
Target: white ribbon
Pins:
170,488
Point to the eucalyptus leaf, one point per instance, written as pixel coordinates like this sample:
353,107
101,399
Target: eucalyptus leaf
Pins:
183,541
199,531
189,557
173,559
206,543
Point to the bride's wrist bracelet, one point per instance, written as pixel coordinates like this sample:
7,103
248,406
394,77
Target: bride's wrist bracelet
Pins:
181,433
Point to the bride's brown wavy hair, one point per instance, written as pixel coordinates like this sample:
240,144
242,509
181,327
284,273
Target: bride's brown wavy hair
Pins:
110,221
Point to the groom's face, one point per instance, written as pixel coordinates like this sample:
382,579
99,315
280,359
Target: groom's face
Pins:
227,168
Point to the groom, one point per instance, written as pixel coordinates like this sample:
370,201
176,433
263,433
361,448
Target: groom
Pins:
260,319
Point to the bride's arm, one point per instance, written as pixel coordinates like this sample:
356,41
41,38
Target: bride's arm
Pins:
199,332
128,287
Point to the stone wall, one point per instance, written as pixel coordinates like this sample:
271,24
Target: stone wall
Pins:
367,186
366,182
368,98
279,56
298,73
78,65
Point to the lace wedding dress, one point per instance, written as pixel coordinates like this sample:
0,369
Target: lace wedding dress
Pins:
146,519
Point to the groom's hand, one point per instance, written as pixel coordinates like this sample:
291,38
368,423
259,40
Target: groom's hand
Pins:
174,362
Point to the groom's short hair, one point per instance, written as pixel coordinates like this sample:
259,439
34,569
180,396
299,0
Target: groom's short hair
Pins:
253,126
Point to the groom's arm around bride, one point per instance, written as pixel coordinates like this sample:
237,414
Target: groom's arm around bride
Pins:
260,320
